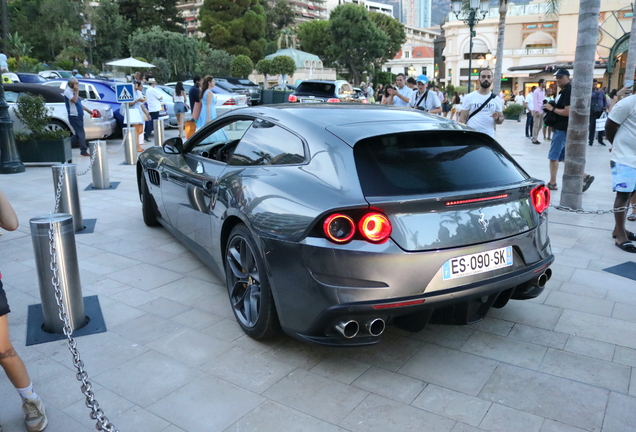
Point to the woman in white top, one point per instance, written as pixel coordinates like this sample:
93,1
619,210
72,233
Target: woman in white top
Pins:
138,113
180,107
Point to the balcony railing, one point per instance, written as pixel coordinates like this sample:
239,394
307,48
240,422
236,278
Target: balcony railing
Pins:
529,51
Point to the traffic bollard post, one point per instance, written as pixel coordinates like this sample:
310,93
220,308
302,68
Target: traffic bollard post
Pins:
67,194
101,178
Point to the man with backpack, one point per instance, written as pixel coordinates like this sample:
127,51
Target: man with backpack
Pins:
481,109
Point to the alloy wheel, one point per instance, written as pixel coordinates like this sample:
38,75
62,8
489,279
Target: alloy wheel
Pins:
245,285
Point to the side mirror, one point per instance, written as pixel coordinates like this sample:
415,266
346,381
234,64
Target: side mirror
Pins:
173,146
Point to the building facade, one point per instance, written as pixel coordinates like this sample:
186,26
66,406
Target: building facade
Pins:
370,5
417,54
535,44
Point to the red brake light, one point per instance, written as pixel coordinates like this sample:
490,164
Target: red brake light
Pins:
96,114
292,98
364,101
230,101
540,197
333,100
339,228
474,200
375,227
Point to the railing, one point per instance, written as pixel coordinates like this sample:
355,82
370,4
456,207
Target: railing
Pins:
529,51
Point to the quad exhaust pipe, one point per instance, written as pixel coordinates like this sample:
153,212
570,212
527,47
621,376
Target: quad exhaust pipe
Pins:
350,329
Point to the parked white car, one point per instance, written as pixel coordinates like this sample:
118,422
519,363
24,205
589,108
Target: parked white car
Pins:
100,124
225,101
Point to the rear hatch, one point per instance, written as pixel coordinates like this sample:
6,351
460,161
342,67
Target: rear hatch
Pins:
444,188
315,92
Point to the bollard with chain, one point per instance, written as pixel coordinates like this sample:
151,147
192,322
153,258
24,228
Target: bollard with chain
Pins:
101,179
67,194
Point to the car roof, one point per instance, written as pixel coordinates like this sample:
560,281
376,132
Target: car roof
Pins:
26,73
353,122
50,94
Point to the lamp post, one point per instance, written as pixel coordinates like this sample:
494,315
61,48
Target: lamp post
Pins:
88,33
412,71
10,162
476,12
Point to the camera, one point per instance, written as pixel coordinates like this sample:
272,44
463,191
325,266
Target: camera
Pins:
550,102
420,107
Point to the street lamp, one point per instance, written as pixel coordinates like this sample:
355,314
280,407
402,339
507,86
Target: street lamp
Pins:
412,71
88,33
476,8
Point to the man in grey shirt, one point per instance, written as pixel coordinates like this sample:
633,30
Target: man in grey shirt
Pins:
402,95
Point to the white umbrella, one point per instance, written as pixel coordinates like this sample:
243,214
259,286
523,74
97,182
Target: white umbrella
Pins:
130,62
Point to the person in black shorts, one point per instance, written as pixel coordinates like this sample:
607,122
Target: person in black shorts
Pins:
34,414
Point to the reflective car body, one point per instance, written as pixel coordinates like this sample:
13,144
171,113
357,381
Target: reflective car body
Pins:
55,74
254,89
319,91
336,219
94,127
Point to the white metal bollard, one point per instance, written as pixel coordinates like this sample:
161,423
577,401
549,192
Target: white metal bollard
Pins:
69,193
130,145
101,178
158,126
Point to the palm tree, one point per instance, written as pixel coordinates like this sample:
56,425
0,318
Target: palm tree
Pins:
503,10
630,65
17,47
578,125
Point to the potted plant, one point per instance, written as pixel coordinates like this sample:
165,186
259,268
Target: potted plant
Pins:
38,143
513,112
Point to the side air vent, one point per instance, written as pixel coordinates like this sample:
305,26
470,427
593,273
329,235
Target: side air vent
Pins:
153,176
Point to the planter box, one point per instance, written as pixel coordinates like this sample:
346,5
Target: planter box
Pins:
274,96
512,117
45,151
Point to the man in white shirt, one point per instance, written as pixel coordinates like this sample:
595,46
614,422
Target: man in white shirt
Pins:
153,99
538,96
425,100
481,109
620,129
529,119
519,99
401,95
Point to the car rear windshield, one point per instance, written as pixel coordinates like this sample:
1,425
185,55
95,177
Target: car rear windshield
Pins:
247,82
432,162
316,88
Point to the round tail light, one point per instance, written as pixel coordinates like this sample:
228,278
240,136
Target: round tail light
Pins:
540,197
375,227
339,228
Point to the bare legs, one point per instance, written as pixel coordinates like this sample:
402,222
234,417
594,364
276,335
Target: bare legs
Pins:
180,117
10,360
622,198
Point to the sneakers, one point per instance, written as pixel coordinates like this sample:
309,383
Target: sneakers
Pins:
85,154
34,415
587,182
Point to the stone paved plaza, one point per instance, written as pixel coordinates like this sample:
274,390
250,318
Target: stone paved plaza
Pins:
174,359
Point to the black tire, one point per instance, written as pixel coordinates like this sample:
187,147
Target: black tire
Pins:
57,125
148,206
249,290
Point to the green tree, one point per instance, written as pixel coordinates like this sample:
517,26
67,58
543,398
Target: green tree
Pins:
214,62
358,42
279,16
145,14
163,69
315,37
17,47
112,30
157,43
283,65
235,26
394,30
242,66
264,67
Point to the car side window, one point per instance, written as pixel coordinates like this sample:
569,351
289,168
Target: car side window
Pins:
11,97
219,144
82,91
268,144
346,89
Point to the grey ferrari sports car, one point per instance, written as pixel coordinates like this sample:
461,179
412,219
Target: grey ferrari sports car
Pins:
332,221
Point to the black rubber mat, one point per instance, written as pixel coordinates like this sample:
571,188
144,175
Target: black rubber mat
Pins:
627,270
113,186
35,322
89,226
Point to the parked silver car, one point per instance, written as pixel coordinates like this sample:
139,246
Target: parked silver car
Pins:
225,101
55,74
100,124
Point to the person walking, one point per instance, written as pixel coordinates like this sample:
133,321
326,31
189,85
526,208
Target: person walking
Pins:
561,108
138,113
154,99
538,96
75,111
194,96
457,106
208,110
529,119
547,130
446,105
401,95
482,109
597,107
620,129
35,419
379,94
180,108
425,100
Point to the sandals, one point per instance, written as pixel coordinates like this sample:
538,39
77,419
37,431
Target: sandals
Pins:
632,217
630,236
587,182
552,186
627,247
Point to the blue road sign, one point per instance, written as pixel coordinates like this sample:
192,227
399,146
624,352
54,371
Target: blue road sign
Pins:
124,93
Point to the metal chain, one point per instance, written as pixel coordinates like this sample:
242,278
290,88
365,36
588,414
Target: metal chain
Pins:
595,212
118,148
103,424
92,161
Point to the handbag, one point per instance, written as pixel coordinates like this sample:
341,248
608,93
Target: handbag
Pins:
600,122
550,118
135,115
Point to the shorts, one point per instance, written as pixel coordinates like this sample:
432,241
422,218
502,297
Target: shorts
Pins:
557,146
179,108
4,304
445,107
623,178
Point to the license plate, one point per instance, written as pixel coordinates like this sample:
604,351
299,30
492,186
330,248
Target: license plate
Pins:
473,264
311,101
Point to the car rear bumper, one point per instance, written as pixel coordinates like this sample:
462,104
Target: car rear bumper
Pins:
318,285
100,129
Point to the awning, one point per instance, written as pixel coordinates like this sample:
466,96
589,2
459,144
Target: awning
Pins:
521,74
599,73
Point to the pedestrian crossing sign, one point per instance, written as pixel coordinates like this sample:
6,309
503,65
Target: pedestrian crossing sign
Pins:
124,93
